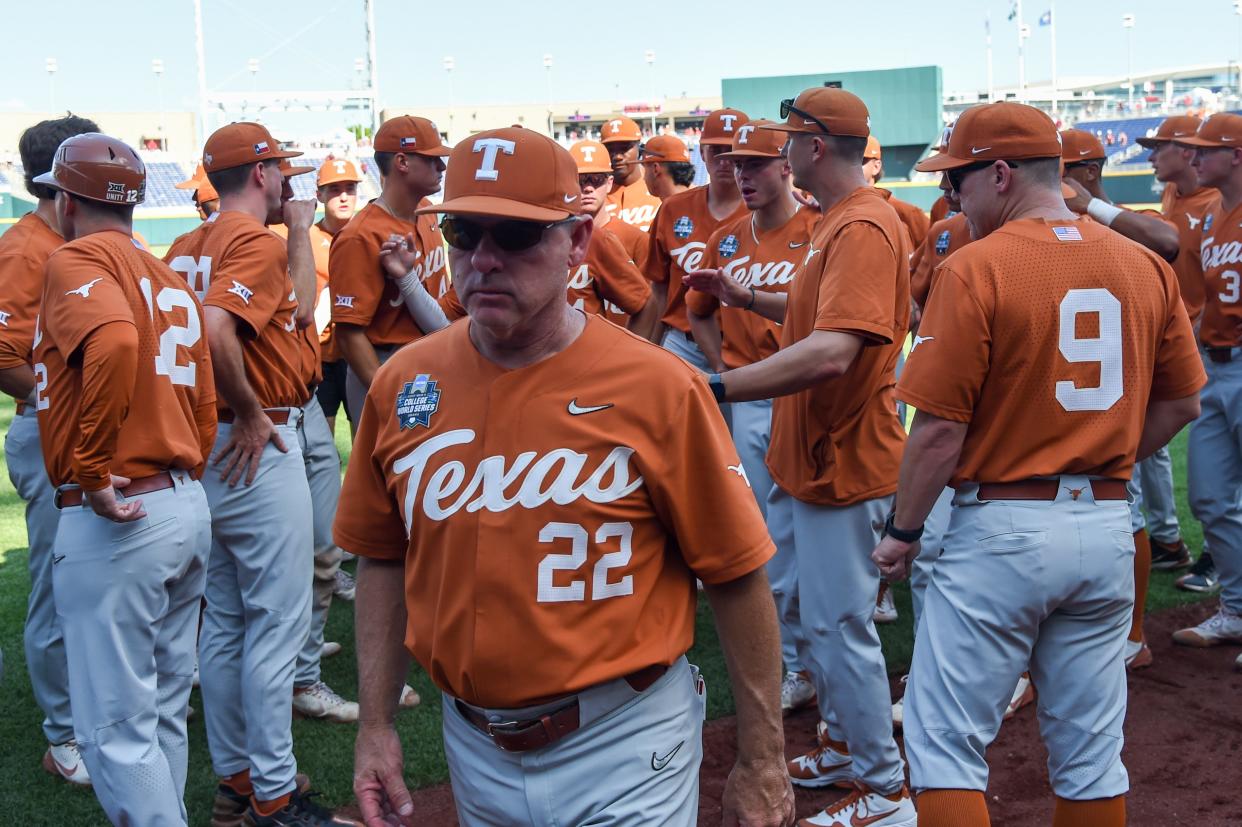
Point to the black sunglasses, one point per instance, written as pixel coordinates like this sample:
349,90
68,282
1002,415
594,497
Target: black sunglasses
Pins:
787,106
594,180
511,236
957,175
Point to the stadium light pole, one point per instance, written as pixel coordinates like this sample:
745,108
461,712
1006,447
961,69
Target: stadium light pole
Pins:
372,67
51,66
1127,23
449,66
201,62
547,67
1021,52
650,57
157,67
253,66
1237,13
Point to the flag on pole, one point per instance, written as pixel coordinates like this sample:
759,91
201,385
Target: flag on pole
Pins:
1013,10
1045,19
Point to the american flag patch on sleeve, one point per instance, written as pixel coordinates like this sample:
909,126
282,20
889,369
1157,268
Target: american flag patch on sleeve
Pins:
1067,233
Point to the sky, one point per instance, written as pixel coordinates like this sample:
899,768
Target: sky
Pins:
104,50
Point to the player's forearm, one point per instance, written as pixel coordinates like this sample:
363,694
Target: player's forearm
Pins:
645,320
746,622
423,309
17,382
822,356
109,364
1165,417
659,300
1153,233
706,332
380,619
358,352
927,464
302,272
228,366
770,306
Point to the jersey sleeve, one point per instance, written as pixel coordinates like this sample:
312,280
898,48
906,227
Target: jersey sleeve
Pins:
79,297
719,530
109,364
251,279
657,261
1179,369
948,364
21,285
856,292
368,519
355,282
618,279
921,264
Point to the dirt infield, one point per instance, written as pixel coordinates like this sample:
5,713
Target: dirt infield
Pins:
1183,747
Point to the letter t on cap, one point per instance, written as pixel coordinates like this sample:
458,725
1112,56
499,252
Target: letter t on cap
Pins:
489,147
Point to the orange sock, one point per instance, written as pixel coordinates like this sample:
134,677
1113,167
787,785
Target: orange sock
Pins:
1142,573
267,808
952,808
1102,812
239,783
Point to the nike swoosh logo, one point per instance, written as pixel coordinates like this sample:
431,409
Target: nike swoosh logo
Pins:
569,199
794,246
658,764
1083,151
56,558
974,151
576,410
855,821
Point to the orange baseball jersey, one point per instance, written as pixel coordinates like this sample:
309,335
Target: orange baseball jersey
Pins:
766,261
939,210
1188,213
545,509
678,244
233,262
24,250
943,238
1058,332
1221,259
914,219
361,294
633,239
840,442
633,204
318,345
140,420
607,283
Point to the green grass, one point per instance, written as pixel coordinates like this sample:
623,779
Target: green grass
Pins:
325,751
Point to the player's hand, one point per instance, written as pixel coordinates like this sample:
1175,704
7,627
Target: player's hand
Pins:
397,255
1081,197
247,439
716,283
379,784
298,214
894,558
758,795
104,503
805,198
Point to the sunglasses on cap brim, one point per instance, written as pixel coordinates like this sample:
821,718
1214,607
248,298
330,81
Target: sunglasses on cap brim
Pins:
958,174
511,235
787,106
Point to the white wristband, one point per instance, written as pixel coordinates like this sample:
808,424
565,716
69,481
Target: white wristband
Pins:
1102,211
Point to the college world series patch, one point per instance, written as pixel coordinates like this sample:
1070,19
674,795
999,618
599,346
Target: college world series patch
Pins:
683,226
417,401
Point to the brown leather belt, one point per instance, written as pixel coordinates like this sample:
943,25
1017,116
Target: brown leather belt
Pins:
73,497
279,416
535,733
1220,354
1048,490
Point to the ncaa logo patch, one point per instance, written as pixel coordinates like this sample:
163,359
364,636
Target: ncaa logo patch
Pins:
683,226
417,401
942,243
728,245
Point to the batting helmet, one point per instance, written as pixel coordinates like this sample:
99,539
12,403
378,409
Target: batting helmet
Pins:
99,168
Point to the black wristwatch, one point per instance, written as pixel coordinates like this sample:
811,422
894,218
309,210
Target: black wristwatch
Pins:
891,530
717,385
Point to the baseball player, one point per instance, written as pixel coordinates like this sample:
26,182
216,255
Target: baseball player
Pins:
1214,455
666,166
1052,327
24,250
261,567
914,219
370,320
943,237
206,199
835,448
681,228
629,200
941,209
1187,204
735,309
127,417
567,696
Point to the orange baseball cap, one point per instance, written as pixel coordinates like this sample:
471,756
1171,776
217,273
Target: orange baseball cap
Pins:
620,129
203,190
239,144
1080,145
872,152
510,173
410,134
590,156
825,111
720,126
664,149
1172,130
751,140
336,170
1223,129
999,131
288,170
